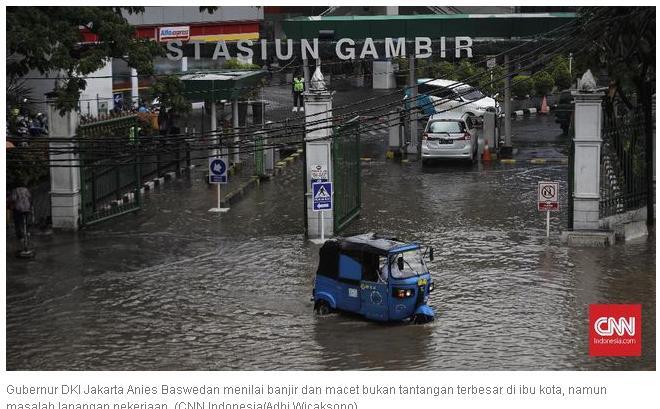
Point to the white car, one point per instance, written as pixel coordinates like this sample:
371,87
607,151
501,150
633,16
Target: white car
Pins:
448,136
437,96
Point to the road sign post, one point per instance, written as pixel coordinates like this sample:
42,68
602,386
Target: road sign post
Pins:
218,176
322,197
548,201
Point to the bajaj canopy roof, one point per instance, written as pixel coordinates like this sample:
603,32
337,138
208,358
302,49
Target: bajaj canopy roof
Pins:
372,243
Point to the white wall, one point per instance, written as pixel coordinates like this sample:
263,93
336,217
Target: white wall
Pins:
97,86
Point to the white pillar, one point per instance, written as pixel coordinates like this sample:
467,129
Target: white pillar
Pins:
234,116
184,64
588,113
135,96
318,151
383,75
64,180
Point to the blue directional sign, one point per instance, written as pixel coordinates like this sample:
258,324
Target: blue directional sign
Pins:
322,195
217,170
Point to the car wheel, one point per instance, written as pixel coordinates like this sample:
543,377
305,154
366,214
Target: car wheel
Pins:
322,307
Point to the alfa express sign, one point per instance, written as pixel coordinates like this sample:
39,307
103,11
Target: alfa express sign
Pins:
174,33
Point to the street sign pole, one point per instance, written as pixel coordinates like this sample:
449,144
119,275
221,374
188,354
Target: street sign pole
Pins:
218,175
548,201
322,227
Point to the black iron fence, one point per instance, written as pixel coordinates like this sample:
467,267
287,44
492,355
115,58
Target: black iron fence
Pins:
623,165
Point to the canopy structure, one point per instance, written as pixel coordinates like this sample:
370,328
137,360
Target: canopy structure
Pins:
505,26
224,85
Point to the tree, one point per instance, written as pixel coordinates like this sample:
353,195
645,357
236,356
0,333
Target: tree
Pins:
169,91
543,83
522,86
624,42
50,39
560,72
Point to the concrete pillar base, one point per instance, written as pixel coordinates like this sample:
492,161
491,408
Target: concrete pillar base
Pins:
588,238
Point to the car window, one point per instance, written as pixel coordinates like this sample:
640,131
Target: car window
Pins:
446,93
427,89
470,94
446,127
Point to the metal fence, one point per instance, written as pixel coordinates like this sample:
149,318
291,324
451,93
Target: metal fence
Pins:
346,173
114,163
623,165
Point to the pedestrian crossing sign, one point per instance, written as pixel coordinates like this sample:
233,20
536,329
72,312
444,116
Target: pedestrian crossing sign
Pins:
322,196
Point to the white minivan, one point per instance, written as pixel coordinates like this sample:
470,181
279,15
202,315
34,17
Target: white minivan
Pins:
437,96
449,136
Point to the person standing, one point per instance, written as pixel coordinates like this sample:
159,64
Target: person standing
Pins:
298,87
21,205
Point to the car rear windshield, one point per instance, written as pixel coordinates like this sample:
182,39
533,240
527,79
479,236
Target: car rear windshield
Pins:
446,127
470,94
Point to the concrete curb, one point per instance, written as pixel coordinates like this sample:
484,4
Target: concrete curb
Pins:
536,161
283,164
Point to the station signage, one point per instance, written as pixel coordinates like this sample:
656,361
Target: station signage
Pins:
343,48
174,33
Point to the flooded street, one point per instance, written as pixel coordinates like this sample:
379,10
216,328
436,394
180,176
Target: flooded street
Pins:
176,287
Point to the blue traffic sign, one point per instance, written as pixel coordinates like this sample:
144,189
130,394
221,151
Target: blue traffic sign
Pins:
322,196
217,170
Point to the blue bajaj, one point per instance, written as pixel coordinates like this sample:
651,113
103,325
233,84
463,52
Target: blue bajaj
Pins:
380,278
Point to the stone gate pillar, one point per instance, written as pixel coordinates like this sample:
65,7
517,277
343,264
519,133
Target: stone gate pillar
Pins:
588,116
318,150
65,178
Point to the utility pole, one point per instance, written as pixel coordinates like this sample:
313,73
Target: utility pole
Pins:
507,102
412,83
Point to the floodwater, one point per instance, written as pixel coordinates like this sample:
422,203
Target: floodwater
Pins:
175,287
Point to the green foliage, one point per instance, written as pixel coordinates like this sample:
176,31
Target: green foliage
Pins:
543,83
522,86
560,72
235,64
49,39
443,70
563,79
21,160
625,44
170,93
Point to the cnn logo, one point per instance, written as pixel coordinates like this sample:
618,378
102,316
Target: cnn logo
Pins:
606,326
615,330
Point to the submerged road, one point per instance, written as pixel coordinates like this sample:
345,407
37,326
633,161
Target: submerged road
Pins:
175,287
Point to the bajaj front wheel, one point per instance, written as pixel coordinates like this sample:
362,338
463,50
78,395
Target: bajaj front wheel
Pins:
322,307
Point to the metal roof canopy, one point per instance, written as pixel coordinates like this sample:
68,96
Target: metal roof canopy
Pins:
428,25
221,85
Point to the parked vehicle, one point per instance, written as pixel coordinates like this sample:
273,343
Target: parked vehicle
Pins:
380,278
437,95
448,136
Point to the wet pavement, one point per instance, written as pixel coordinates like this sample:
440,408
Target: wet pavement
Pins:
175,287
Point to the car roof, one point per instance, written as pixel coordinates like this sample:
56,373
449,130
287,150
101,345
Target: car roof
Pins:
373,243
448,116
441,83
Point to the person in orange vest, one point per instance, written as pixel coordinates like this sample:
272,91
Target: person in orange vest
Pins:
298,87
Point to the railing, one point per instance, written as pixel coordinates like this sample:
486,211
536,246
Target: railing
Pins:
623,165
115,161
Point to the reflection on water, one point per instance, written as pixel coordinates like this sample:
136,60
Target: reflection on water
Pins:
176,287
